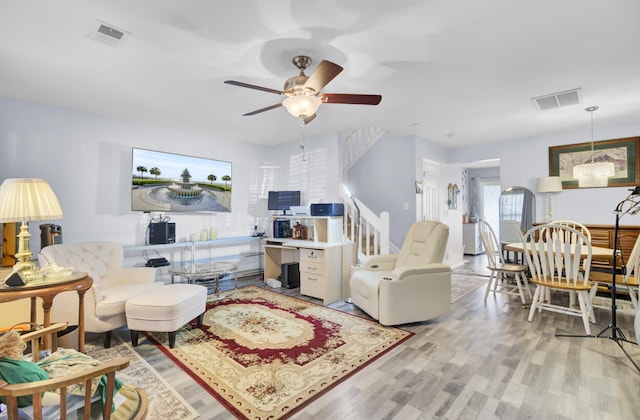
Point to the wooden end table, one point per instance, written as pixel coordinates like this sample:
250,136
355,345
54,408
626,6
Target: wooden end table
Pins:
47,290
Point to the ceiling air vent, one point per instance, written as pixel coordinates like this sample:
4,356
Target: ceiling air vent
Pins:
108,34
558,100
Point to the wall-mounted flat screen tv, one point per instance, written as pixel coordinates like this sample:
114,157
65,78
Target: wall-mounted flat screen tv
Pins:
169,182
283,200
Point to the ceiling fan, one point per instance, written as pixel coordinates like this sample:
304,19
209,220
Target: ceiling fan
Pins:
302,92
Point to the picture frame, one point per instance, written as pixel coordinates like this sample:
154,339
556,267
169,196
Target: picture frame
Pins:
622,152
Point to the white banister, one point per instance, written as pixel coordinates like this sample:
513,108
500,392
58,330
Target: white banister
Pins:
374,230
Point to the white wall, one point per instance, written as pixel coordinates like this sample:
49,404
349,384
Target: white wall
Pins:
452,173
523,161
86,159
384,180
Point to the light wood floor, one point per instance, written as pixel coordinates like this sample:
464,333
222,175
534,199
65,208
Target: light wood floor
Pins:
483,360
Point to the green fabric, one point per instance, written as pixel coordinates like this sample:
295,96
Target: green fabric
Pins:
18,372
103,389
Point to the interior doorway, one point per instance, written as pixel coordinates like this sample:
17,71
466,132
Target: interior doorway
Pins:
489,202
427,192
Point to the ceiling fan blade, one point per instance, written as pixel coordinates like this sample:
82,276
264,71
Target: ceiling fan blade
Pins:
350,98
310,118
257,111
323,74
247,85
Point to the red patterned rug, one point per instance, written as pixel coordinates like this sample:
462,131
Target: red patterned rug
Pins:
265,355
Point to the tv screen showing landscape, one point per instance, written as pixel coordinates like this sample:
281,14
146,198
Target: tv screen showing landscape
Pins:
169,182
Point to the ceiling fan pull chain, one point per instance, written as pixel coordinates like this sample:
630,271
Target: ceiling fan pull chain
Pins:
302,140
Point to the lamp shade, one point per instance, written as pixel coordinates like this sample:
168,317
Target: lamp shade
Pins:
25,199
302,106
549,184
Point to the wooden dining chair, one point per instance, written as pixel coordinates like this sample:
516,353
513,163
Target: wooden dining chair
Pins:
575,225
581,228
501,271
559,259
628,281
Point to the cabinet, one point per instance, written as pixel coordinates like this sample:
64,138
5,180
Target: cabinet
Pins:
603,235
471,238
324,260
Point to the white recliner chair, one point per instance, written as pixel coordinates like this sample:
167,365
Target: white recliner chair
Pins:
411,286
113,284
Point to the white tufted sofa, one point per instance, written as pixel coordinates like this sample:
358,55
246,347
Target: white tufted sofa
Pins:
411,286
113,284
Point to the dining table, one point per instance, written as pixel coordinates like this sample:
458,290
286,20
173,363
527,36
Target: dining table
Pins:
597,252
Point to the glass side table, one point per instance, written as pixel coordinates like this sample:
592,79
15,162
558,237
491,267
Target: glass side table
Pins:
211,271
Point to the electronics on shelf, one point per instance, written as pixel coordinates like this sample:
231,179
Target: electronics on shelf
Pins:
162,233
157,262
299,210
327,209
283,200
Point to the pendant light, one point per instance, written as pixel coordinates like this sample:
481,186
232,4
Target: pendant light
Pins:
593,174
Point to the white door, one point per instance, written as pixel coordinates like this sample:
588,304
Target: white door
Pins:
429,197
489,203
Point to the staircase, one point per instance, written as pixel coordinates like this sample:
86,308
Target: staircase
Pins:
374,229
356,143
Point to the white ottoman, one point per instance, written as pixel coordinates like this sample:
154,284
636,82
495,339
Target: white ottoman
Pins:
165,309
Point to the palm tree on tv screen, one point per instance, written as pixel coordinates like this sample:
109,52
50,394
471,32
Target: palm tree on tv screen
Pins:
212,177
226,178
155,171
142,170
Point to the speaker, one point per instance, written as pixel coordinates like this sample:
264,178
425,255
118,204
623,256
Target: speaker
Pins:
290,275
162,233
50,234
327,209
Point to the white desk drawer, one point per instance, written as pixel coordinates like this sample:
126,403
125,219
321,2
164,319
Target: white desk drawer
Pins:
311,267
307,254
312,285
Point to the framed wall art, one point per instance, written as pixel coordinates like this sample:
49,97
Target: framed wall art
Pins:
622,152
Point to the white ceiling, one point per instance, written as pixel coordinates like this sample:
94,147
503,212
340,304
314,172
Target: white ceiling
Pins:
454,72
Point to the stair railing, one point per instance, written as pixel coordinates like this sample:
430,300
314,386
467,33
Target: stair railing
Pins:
373,237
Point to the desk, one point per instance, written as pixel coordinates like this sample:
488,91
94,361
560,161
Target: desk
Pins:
211,270
47,291
323,265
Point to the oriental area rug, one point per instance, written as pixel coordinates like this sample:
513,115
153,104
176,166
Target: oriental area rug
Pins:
164,401
463,284
265,355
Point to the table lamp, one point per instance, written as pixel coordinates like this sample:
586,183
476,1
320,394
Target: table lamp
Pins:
23,200
549,184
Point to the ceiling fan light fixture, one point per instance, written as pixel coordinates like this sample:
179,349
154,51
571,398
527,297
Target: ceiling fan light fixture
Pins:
302,106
